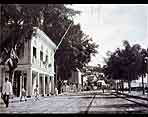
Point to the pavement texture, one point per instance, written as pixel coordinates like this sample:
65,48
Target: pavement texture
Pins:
92,102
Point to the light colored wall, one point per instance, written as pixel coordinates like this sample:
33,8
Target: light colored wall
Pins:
76,77
40,42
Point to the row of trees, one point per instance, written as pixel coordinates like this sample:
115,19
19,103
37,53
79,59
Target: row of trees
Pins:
17,26
127,64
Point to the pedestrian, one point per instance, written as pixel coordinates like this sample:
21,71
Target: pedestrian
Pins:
6,91
74,87
56,91
36,92
103,88
23,94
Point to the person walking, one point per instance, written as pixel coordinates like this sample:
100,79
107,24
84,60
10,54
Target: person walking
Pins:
6,91
36,92
23,94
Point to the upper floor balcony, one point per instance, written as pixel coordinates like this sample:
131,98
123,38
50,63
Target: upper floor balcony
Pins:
41,64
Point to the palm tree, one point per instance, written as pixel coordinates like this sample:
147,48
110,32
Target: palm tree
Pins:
124,64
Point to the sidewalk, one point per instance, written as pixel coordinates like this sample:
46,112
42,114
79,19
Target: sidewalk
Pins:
136,94
17,99
14,100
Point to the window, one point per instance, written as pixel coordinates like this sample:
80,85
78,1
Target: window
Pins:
46,58
51,56
34,52
41,55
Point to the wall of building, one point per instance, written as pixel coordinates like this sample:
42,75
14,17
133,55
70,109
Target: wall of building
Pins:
44,44
37,71
75,77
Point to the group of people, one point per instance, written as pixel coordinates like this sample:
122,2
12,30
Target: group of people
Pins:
7,92
36,92
66,87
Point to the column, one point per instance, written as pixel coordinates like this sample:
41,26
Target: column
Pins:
29,82
21,84
43,84
34,81
52,84
37,79
47,86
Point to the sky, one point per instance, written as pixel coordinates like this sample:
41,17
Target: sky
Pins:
110,24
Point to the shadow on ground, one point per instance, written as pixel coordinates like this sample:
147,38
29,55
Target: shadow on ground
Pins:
110,97
129,109
114,112
119,106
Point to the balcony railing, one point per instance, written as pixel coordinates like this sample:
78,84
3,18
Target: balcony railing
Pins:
42,64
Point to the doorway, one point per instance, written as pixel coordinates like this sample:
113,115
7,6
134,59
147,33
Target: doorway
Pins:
16,83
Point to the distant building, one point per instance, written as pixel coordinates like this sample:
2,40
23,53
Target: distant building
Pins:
76,78
35,67
137,83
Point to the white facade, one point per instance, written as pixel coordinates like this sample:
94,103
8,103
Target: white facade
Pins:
76,77
35,67
137,83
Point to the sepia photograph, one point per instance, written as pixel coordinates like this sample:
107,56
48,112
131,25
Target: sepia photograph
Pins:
73,58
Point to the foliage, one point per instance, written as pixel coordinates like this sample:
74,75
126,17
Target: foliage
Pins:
124,64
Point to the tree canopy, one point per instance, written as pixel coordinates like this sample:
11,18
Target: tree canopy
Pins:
124,64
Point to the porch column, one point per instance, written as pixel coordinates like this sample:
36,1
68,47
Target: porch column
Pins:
47,86
21,84
43,84
52,84
37,79
29,82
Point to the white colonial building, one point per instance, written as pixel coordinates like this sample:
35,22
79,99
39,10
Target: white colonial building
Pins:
35,67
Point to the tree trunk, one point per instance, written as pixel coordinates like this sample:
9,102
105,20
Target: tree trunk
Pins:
122,86
143,90
147,84
82,83
129,86
129,83
117,87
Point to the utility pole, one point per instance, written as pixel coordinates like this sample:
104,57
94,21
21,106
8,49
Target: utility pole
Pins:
62,38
